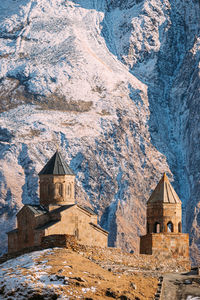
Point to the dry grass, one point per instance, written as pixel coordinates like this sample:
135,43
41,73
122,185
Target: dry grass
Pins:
104,113
69,124
32,133
83,273
17,95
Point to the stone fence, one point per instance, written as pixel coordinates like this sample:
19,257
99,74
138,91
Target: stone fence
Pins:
62,241
51,241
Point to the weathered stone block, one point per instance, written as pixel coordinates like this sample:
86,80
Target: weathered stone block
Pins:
174,244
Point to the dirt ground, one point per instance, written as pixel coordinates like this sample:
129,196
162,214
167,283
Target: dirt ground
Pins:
88,280
93,273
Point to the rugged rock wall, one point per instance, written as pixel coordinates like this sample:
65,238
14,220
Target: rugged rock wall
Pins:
116,85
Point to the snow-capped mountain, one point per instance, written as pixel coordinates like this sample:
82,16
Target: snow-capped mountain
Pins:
115,85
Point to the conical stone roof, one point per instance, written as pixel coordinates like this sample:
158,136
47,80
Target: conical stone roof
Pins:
164,193
56,166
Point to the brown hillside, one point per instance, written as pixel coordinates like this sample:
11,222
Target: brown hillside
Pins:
86,273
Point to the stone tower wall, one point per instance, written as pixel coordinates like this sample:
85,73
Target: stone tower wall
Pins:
163,213
57,189
173,244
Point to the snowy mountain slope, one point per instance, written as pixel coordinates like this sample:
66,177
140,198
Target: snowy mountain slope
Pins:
116,85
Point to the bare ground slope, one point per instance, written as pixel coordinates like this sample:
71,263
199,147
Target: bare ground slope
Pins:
84,273
65,274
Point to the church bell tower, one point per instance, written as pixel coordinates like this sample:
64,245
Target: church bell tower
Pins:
57,183
164,227
164,212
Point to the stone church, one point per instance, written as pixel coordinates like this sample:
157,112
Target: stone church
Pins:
164,227
57,214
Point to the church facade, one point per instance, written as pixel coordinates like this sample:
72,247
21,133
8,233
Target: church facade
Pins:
57,214
164,223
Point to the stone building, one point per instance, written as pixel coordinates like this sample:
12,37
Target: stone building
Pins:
58,212
164,227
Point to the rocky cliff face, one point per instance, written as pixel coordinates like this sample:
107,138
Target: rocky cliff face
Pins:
115,84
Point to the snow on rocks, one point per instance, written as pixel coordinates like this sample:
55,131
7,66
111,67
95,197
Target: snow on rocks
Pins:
16,282
113,83
27,276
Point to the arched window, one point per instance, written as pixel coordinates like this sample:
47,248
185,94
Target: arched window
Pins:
157,227
69,190
58,189
76,233
179,227
170,227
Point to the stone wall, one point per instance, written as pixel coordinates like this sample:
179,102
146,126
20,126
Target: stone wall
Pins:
23,237
163,213
57,189
59,240
74,221
12,241
27,222
25,225
96,237
77,222
146,244
115,260
173,244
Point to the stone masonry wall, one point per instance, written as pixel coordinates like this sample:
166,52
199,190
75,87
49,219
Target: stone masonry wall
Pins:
57,189
59,240
146,244
12,242
96,238
76,222
173,244
164,213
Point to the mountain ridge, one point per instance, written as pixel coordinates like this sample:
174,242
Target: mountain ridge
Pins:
116,85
